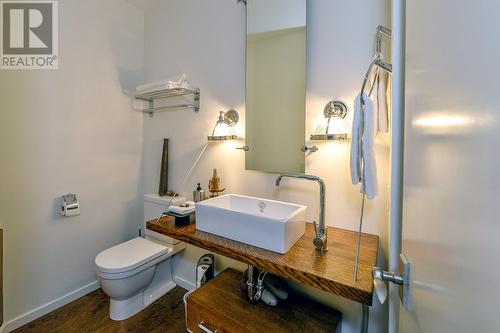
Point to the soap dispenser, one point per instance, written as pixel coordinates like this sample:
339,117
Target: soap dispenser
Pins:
198,194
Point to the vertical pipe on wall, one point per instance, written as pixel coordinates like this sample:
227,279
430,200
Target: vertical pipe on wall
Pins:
397,152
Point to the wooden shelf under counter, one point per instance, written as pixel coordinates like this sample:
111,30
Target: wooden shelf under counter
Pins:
221,306
332,271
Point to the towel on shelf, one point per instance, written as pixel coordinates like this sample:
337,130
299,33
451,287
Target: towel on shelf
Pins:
183,210
363,162
178,81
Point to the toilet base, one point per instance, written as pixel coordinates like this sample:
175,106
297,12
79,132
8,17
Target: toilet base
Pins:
126,308
162,283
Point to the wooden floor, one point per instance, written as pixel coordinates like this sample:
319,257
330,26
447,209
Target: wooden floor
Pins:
91,314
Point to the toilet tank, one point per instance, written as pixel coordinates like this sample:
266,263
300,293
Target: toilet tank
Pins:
154,205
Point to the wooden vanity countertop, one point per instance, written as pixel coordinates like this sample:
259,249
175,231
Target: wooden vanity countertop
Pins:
332,271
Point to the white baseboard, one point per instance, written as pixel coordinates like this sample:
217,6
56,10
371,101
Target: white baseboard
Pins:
183,283
49,307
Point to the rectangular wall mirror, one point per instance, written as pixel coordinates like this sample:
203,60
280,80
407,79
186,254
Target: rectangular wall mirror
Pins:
275,85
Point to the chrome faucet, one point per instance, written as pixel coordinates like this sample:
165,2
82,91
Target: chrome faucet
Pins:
321,240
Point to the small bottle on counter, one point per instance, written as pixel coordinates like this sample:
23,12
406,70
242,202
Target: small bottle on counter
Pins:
198,194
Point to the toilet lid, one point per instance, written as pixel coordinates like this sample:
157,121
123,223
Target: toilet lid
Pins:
129,255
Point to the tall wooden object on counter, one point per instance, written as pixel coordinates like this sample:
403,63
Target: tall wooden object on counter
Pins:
164,170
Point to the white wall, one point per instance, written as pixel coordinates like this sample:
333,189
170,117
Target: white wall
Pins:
71,130
206,40
275,15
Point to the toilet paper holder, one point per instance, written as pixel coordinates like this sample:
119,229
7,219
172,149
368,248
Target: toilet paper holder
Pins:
70,205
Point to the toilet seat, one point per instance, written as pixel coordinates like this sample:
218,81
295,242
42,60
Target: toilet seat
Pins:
130,257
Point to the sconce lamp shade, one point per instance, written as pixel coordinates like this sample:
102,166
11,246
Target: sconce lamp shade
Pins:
334,126
223,129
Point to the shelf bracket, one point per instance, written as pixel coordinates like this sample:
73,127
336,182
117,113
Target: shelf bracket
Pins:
196,100
166,93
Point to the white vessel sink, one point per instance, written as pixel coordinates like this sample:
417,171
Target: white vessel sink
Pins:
271,225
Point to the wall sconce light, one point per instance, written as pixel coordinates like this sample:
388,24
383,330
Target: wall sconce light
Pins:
223,129
334,126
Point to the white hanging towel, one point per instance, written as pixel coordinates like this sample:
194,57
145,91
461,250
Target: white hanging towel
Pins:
382,107
363,162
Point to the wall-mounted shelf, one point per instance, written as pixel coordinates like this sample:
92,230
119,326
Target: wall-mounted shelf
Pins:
332,271
151,97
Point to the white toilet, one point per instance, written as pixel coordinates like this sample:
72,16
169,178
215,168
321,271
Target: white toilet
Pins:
137,272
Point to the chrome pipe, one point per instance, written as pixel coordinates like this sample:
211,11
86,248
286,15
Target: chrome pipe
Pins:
250,283
397,152
366,319
358,244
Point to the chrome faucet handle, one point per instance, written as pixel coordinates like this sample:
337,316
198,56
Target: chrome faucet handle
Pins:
319,243
315,228
320,240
